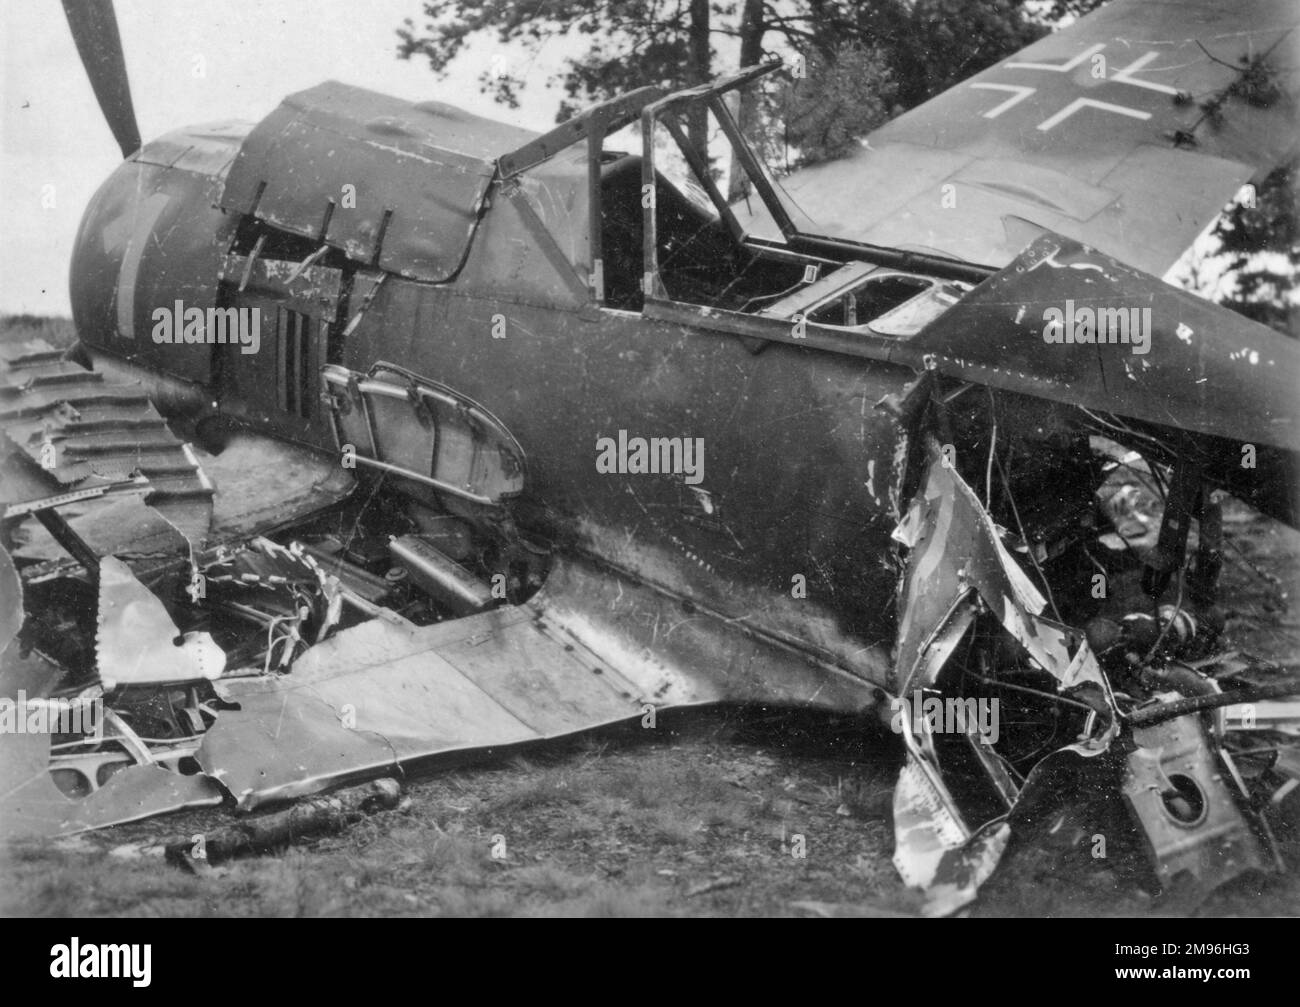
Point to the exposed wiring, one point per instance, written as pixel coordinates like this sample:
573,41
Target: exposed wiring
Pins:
1128,431
1029,546
1164,630
1063,700
291,637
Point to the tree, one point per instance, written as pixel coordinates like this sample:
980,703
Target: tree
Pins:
631,43
931,45
868,62
822,112
924,44
1257,243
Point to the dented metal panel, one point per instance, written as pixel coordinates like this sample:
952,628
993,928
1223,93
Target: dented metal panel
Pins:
80,431
384,693
158,241
1184,362
138,643
389,183
957,565
1181,797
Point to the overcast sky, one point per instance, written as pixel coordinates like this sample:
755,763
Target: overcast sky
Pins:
254,52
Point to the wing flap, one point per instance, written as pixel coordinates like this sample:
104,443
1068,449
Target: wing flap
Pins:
386,693
589,650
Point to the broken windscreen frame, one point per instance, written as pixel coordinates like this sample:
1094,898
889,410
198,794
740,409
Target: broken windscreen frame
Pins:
753,202
745,178
557,160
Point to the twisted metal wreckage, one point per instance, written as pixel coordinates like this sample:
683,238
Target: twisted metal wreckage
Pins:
328,672
288,570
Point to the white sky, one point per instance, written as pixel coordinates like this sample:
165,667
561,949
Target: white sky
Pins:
254,51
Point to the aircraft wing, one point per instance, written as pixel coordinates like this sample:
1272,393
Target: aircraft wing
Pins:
1128,131
387,696
592,648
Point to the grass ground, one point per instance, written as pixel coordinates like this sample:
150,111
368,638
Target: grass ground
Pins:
697,817
689,821
58,332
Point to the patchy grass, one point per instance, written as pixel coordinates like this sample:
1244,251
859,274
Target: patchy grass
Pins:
628,824
698,817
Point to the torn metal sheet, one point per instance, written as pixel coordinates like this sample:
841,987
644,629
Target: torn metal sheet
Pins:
137,642
579,655
102,773
385,692
120,524
262,484
957,553
956,565
1200,362
84,432
926,828
74,430
31,804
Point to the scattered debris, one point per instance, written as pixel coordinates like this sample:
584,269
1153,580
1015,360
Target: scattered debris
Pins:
305,819
716,885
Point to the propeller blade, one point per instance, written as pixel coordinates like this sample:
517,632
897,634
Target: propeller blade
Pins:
94,29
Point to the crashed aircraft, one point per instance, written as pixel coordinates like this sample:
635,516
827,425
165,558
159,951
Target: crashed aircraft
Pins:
388,535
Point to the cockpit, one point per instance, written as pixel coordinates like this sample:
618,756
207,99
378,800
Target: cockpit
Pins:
695,220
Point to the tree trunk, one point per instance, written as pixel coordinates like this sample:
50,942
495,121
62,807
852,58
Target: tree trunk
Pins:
699,71
751,53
